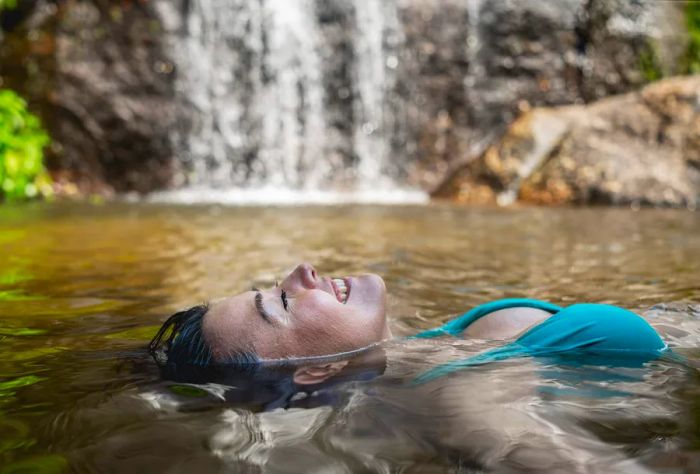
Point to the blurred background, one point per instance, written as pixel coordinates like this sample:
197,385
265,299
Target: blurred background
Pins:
477,108
322,100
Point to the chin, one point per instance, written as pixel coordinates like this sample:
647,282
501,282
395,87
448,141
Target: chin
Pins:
377,283
368,291
374,302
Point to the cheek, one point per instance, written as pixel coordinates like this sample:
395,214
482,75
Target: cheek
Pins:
320,322
317,313
321,325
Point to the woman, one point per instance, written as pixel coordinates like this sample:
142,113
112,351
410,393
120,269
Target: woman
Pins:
318,319
297,345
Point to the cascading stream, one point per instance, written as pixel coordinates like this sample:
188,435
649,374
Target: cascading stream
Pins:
288,96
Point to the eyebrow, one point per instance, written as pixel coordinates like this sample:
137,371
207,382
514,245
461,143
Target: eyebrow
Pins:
259,306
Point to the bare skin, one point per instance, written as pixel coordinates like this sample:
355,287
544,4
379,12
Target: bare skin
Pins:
306,315
310,315
505,323
492,421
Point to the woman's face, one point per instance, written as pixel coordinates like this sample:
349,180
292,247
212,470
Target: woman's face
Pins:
306,315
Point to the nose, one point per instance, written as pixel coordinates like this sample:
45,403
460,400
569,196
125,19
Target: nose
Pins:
303,276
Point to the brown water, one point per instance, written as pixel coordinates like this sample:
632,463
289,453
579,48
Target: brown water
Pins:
83,288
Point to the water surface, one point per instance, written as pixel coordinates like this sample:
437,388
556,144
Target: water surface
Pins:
83,288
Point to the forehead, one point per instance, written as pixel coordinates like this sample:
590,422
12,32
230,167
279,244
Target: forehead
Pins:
228,321
232,308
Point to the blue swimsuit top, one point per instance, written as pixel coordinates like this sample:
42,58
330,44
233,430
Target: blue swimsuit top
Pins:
606,331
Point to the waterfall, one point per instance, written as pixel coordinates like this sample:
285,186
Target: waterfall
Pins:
286,97
375,19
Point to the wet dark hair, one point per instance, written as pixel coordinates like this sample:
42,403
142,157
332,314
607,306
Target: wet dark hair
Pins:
180,343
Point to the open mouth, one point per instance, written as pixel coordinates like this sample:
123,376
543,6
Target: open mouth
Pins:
342,289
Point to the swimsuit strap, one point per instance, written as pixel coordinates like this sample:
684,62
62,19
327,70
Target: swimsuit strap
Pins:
457,325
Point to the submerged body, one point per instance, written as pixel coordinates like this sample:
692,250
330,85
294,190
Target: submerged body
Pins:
315,322
611,333
307,321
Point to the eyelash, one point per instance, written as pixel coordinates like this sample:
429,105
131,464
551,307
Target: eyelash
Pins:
259,305
284,299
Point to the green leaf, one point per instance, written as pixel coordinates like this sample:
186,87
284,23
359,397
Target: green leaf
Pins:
22,142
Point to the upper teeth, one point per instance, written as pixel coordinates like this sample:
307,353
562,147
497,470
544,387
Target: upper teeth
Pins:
340,284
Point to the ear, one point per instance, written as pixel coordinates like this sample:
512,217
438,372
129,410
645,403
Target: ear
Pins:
314,374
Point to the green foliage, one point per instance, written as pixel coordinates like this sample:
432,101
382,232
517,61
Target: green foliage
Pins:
649,64
22,140
692,21
7,4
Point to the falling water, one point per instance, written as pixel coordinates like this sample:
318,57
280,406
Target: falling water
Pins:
375,80
287,99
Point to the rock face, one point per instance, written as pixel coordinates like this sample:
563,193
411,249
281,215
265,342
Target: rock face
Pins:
529,53
101,81
112,97
637,148
140,95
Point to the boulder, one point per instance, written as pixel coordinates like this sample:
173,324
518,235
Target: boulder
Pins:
529,53
636,148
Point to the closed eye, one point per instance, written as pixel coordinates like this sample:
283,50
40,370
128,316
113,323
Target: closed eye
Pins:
284,299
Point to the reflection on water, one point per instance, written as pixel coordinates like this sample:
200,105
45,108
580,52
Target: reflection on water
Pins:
83,288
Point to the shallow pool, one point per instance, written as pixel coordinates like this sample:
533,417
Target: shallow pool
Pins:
83,288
